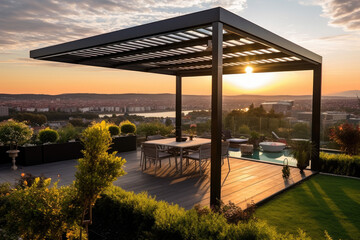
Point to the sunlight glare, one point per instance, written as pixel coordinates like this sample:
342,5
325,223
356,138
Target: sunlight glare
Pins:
257,81
248,69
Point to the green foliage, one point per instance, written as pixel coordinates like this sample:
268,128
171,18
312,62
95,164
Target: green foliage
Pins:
244,129
48,135
56,116
168,122
69,132
201,113
341,164
124,215
153,128
127,127
14,133
300,130
78,122
98,169
114,130
39,212
348,137
32,118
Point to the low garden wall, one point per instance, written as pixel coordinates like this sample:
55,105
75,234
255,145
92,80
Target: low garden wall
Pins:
46,153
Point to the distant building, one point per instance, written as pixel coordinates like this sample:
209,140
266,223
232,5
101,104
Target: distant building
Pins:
4,111
84,109
30,109
335,116
42,109
279,107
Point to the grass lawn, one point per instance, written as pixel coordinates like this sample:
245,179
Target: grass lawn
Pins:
318,204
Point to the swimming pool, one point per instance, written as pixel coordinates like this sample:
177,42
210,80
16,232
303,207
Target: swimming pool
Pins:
272,157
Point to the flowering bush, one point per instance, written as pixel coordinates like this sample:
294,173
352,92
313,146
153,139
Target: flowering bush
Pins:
348,137
14,133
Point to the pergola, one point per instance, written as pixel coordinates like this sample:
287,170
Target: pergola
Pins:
211,42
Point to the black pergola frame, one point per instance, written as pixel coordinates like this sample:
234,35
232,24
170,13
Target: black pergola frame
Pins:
211,42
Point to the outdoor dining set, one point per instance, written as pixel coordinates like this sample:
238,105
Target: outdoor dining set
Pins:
158,148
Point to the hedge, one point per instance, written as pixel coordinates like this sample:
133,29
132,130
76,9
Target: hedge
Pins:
124,215
341,164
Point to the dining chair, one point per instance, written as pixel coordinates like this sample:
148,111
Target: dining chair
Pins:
204,153
153,153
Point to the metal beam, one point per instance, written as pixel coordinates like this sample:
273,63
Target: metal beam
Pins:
178,104
216,113
316,118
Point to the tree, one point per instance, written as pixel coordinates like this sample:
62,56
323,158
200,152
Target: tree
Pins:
14,133
301,130
32,118
97,169
168,122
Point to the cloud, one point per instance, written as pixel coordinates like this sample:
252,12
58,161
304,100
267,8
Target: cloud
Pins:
342,13
28,24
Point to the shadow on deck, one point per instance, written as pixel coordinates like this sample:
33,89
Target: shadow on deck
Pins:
247,181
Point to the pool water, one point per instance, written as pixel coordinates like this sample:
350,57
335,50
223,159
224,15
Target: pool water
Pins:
266,156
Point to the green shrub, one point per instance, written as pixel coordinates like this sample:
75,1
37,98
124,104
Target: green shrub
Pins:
48,135
14,133
154,128
114,130
69,132
127,127
124,215
341,164
38,212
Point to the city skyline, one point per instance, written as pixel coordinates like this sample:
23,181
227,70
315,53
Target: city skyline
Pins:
333,26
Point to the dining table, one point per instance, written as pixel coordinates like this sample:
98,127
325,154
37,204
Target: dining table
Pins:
172,143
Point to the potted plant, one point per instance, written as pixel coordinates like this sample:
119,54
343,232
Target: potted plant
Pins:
192,131
14,133
301,151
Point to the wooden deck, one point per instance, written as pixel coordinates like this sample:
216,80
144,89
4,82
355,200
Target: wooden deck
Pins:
247,181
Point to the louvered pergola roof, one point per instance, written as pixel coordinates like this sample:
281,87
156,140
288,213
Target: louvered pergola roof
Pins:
182,45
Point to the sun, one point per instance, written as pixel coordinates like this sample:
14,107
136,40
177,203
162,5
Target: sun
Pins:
250,81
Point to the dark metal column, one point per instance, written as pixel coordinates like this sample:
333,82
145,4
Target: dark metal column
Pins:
216,113
178,108
316,118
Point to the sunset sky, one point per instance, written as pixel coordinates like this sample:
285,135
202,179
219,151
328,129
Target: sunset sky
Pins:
330,28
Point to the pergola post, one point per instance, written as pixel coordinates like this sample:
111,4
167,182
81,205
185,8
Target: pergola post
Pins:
216,113
316,118
178,104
